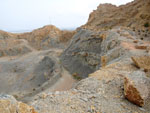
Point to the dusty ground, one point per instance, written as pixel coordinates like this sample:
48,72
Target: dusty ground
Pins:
29,73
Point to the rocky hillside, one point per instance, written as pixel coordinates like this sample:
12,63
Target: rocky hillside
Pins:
89,50
135,14
39,39
29,62
47,37
102,67
120,84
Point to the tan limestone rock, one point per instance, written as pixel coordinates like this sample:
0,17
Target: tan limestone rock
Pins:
142,62
8,104
136,88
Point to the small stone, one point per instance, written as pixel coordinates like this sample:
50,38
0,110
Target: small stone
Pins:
103,61
103,36
84,99
135,41
44,95
136,87
142,62
57,92
142,109
141,47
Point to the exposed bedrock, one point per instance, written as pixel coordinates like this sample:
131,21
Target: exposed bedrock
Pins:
89,50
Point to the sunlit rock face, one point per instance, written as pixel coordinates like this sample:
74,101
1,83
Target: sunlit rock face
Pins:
135,14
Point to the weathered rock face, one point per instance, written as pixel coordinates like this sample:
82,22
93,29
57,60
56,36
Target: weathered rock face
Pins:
137,88
83,54
8,104
135,14
90,50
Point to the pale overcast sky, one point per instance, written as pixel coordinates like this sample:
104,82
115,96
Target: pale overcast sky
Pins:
18,15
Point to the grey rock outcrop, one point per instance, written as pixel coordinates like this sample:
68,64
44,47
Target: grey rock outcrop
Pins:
85,52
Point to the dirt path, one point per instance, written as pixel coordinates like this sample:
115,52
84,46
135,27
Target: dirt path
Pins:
64,83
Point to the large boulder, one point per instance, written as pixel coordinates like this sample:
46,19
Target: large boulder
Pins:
137,87
83,54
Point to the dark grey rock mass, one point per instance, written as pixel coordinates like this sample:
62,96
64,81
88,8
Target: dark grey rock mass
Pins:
84,54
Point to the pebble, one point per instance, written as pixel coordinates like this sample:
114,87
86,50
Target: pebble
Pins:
57,93
84,99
